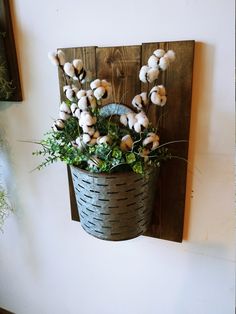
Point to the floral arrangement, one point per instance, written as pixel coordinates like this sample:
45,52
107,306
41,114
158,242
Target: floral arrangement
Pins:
94,137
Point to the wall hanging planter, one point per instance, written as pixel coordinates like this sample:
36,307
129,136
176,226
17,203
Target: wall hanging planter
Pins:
115,206
120,66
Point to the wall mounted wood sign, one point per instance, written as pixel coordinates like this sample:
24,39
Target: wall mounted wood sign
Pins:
10,89
120,66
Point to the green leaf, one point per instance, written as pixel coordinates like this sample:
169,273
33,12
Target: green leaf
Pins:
117,153
138,168
130,158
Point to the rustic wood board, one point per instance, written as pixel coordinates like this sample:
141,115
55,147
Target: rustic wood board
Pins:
120,66
8,51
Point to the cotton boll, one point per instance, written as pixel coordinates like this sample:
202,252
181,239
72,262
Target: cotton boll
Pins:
59,125
123,119
155,99
142,119
137,102
95,84
78,65
144,98
143,73
153,62
52,56
64,116
64,107
170,55
73,108
88,129
70,94
159,53
152,74
69,69
86,138
104,140
137,127
126,143
61,57
99,92
83,103
89,92
81,93
164,63
77,113
131,119
151,140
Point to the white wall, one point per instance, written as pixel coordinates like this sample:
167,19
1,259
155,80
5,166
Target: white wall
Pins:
48,264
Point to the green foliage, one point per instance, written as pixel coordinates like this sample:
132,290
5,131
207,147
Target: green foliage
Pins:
60,145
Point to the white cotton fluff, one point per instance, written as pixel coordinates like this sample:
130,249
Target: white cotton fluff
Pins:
143,73
87,119
164,63
126,143
141,120
69,69
159,53
137,102
70,94
99,92
88,129
153,62
78,65
61,57
59,125
65,111
73,108
86,138
52,56
158,95
155,99
104,139
152,75
170,55
81,93
152,139
83,103
131,119
123,119
95,84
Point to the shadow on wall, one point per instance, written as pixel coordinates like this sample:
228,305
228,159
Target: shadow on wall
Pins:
201,102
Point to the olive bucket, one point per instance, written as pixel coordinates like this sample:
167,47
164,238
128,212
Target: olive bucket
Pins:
115,206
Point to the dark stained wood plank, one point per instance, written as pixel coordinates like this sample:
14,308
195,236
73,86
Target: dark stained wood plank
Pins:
175,122
10,50
119,66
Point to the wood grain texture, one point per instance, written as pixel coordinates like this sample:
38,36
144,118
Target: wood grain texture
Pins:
120,66
10,50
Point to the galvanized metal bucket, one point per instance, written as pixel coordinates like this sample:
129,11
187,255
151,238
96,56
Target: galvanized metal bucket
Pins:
115,206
